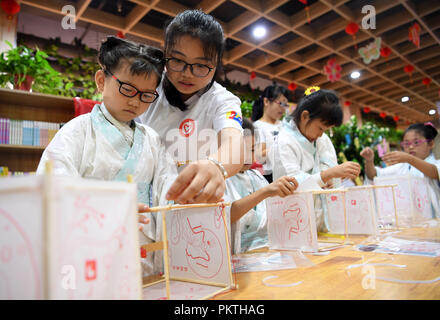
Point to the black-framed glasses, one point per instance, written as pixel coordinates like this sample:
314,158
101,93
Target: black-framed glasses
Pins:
130,91
197,69
416,143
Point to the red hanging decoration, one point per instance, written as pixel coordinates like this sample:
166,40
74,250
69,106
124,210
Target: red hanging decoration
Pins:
408,122
414,34
409,69
292,86
367,109
347,103
333,70
426,81
396,118
121,35
307,8
351,29
253,75
382,115
11,8
385,52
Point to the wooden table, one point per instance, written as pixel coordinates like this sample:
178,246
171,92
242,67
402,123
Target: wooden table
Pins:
328,279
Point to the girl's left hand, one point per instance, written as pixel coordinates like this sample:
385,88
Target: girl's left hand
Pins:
395,157
200,182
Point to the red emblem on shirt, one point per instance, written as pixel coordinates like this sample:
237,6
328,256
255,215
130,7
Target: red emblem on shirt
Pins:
187,127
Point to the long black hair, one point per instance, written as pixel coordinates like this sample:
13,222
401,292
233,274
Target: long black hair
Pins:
271,92
200,25
322,104
425,129
143,59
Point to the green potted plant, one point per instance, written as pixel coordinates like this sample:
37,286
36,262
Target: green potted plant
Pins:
25,67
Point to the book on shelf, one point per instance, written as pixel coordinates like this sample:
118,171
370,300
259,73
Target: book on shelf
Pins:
5,172
27,132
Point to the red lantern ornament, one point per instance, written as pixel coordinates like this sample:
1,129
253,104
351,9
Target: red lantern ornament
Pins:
396,118
382,115
414,34
385,52
11,8
347,103
307,8
426,82
121,35
253,75
292,86
367,110
409,69
351,29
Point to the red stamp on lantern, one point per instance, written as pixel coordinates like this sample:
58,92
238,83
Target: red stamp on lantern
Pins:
187,127
90,270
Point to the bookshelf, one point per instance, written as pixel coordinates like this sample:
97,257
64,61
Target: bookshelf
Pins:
23,105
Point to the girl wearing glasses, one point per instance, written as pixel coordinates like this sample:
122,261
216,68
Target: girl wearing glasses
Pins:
107,144
266,114
416,159
304,151
197,118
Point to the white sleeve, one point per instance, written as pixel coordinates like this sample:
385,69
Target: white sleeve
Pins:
287,162
227,111
66,148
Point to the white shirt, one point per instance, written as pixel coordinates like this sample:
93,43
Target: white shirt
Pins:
192,134
266,133
401,169
295,155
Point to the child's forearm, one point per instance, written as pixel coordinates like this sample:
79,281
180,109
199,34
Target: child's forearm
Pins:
370,169
428,169
240,207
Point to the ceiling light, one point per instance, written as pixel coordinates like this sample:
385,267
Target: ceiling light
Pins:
355,74
405,99
432,112
259,32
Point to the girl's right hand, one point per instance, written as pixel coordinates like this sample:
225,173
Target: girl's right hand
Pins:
367,154
348,169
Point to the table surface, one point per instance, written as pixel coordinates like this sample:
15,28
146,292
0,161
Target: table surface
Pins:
329,279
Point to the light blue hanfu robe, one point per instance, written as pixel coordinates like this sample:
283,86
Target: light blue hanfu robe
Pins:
294,155
97,146
250,231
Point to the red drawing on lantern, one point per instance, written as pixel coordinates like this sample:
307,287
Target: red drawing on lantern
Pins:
334,198
203,250
187,127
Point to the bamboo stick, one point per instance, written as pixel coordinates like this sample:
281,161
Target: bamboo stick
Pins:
165,253
155,246
208,283
395,206
153,283
228,249
216,293
186,206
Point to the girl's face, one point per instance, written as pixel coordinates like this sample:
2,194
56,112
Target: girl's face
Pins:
249,157
312,129
121,107
417,145
188,50
275,109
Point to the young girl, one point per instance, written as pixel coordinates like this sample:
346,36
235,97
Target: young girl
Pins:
193,111
107,144
247,191
416,159
305,152
266,114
